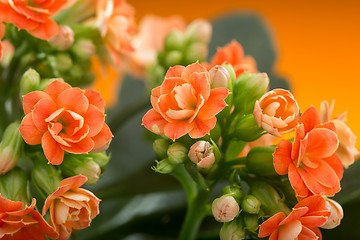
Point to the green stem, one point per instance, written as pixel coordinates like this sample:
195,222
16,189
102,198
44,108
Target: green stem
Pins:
186,181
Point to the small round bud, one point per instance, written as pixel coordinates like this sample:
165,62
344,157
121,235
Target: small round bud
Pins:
62,61
336,214
247,129
14,185
202,154
174,40
164,166
8,53
225,208
160,147
173,58
84,49
177,153
29,82
63,39
250,204
219,77
234,191
233,230
259,160
196,52
199,30
251,221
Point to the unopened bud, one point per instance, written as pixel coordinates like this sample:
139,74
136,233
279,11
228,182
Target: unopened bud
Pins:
100,158
160,147
14,185
219,77
8,53
196,52
164,166
251,221
76,164
177,153
173,58
234,191
155,75
29,82
225,208
174,40
199,30
63,39
62,61
247,129
202,154
250,204
10,147
233,230
259,160
336,214
84,49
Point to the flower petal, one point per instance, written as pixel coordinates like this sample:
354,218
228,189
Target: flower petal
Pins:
95,99
74,100
178,129
154,122
270,225
202,127
56,87
42,110
192,68
45,30
310,118
102,139
290,230
297,183
83,146
54,154
308,234
214,104
31,99
282,157
324,174
31,134
170,83
322,143
175,71
200,82
94,119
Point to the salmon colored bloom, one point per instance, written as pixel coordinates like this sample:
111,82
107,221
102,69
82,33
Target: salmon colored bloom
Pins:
301,223
277,112
346,151
233,54
23,222
63,118
32,16
184,103
115,20
309,161
71,206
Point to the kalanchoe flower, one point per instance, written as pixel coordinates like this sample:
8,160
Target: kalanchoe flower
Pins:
71,206
277,112
202,154
225,208
63,118
184,103
23,222
301,223
310,162
33,16
336,214
233,54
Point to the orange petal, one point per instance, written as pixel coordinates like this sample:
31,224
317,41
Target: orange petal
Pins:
155,94
314,186
202,127
270,225
83,146
30,100
310,118
295,214
154,122
43,225
54,154
308,234
95,99
290,230
94,118
177,129
214,104
31,134
200,82
313,221
175,71
166,102
45,30
322,143
8,205
335,163
42,110
74,100
282,157
192,68
73,182
170,83
324,174
102,139
300,134
56,87
297,183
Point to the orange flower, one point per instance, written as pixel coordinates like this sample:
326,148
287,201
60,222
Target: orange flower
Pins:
19,222
2,32
310,162
71,206
63,118
301,223
346,151
115,20
277,112
233,54
184,103
33,16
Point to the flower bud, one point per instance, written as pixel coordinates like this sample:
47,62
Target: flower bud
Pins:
14,185
29,82
164,166
219,77
233,230
225,208
271,202
63,39
160,147
84,49
44,176
259,160
196,52
336,214
251,221
199,30
8,53
10,147
155,75
177,153
250,204
234,191
100,158
61,62
174,40
76,164
173,58
202,154
247,89
246,128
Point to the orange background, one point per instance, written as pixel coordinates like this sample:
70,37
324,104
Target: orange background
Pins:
318,44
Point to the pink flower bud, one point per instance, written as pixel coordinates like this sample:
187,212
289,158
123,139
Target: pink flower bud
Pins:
225,208
336,214
199,30
219,77
202,154
63,39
